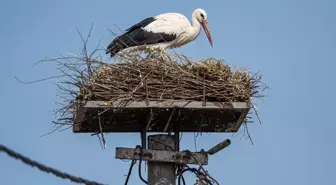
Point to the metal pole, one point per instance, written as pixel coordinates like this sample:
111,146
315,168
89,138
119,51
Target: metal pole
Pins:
160,173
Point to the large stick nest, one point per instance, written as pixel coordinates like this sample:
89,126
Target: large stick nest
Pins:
168,77
150,77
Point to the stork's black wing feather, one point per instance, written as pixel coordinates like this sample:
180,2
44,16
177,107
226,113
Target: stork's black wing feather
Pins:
141,24
136,36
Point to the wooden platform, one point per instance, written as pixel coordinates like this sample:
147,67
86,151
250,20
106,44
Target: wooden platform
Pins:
159,116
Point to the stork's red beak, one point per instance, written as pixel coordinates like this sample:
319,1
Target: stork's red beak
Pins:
206,30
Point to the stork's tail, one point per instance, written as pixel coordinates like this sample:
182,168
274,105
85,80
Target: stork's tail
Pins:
114,47
120,43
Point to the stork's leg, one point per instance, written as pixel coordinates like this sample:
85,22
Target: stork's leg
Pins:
162,52
150,51
154,52
147,49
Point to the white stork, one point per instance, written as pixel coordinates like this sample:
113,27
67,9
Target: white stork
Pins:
168,30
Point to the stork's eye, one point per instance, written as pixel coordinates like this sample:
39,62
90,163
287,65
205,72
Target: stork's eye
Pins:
202,15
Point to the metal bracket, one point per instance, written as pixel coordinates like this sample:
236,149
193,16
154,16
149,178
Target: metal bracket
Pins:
162,156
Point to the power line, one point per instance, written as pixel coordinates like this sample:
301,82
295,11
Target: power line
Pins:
46,169
133,163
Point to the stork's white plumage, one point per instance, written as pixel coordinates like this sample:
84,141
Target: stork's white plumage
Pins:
169,30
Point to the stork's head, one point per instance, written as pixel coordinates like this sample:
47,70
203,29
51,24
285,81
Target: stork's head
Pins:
201,17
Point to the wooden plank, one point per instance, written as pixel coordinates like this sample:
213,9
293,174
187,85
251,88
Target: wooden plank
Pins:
79,118
134,116
239,122
162,156
166,104
136,120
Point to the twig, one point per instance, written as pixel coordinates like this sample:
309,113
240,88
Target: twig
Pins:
169,119
44,79
248,133
101,132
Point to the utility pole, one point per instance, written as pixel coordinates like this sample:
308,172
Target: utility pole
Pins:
161,173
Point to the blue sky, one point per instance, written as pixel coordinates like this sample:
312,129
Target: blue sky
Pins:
291,42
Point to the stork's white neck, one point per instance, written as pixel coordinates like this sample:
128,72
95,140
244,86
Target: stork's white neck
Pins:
195,26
